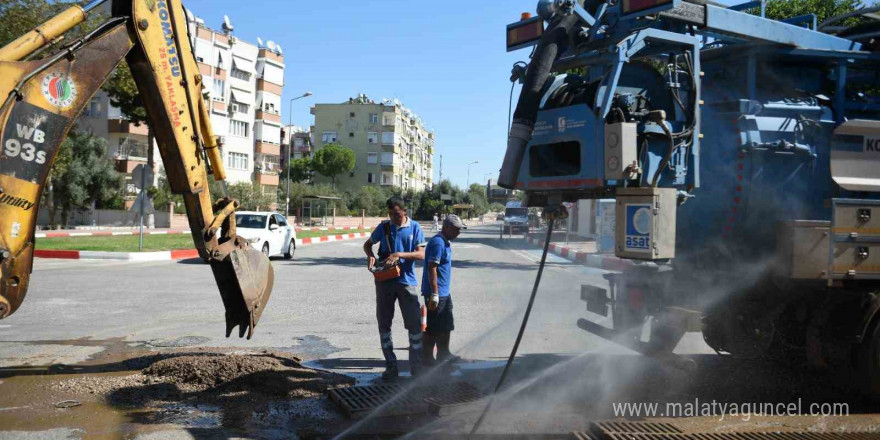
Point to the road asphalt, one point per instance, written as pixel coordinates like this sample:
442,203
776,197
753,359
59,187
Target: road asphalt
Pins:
322,310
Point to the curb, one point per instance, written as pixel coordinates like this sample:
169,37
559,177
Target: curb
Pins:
329,238
122,256
107,233
594,260
162,232
168,255
346,228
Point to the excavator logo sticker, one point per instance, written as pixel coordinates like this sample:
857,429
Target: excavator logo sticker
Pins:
59,90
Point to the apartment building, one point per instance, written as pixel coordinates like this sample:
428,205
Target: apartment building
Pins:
391,143
126,142
300,138
244,83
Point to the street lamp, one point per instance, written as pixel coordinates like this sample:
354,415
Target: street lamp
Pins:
290,147
469,175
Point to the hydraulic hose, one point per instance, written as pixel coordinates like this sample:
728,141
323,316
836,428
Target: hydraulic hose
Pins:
554,42
522,329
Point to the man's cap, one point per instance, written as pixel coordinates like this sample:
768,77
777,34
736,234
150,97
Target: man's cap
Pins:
453,220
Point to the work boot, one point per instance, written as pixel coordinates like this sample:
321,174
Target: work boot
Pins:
428,350
390,373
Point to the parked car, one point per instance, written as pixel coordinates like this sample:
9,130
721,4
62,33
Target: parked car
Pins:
267,232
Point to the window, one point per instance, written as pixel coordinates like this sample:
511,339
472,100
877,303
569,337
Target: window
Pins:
237,161
388,119
219,59
238,107
351,115
351,135
388,138
374,118
373,137
386,179
94,108
328,137
387,158
218,93
240,74
372,158
270,108
281,220
370,178
239,128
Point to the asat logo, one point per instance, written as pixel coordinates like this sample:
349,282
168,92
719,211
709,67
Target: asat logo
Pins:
561,123
872,145
59,90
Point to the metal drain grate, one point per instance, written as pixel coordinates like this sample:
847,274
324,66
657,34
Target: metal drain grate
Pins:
666,431
611,428
396,399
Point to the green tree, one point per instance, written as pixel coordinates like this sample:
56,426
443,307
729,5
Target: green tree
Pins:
85,177
333,160
300,170
824,9
251,196
476,196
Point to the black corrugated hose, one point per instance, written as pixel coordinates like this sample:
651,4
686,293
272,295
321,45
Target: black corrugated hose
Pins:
522,329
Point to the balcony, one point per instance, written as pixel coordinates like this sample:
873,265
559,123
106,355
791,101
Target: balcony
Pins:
267,148
268,116
266,176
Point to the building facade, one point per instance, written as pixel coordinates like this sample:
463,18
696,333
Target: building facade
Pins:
391,143
244,84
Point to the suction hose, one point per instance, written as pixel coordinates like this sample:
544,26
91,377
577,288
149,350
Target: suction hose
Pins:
554,42
522,330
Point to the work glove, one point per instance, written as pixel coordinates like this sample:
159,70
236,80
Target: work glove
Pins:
433,302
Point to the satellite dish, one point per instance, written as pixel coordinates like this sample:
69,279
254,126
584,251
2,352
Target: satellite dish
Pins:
259,41
227,26
189,15
270,44
279,49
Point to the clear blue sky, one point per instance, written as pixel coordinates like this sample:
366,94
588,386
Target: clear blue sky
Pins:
445,60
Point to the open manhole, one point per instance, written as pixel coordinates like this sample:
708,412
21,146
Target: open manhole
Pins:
397,399
666,431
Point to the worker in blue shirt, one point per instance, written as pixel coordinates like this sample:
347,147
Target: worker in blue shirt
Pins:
436,280
406,241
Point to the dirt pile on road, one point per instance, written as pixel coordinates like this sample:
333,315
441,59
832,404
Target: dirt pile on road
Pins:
268,373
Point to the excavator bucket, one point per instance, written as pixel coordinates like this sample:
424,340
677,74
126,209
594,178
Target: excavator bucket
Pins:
245,278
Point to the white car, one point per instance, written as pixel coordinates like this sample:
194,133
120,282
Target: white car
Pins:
267,232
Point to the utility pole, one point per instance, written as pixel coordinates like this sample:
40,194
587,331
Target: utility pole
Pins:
441,169
289,148
469,175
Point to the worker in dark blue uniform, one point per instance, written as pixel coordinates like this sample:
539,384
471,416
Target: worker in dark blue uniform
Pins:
436,281
406,241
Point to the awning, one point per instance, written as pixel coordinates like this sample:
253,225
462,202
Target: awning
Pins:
244,65
241,96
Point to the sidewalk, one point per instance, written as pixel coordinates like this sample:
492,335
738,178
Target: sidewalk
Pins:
178,254
583,252
136,231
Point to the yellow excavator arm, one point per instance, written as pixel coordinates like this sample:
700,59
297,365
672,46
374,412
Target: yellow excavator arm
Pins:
41,100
